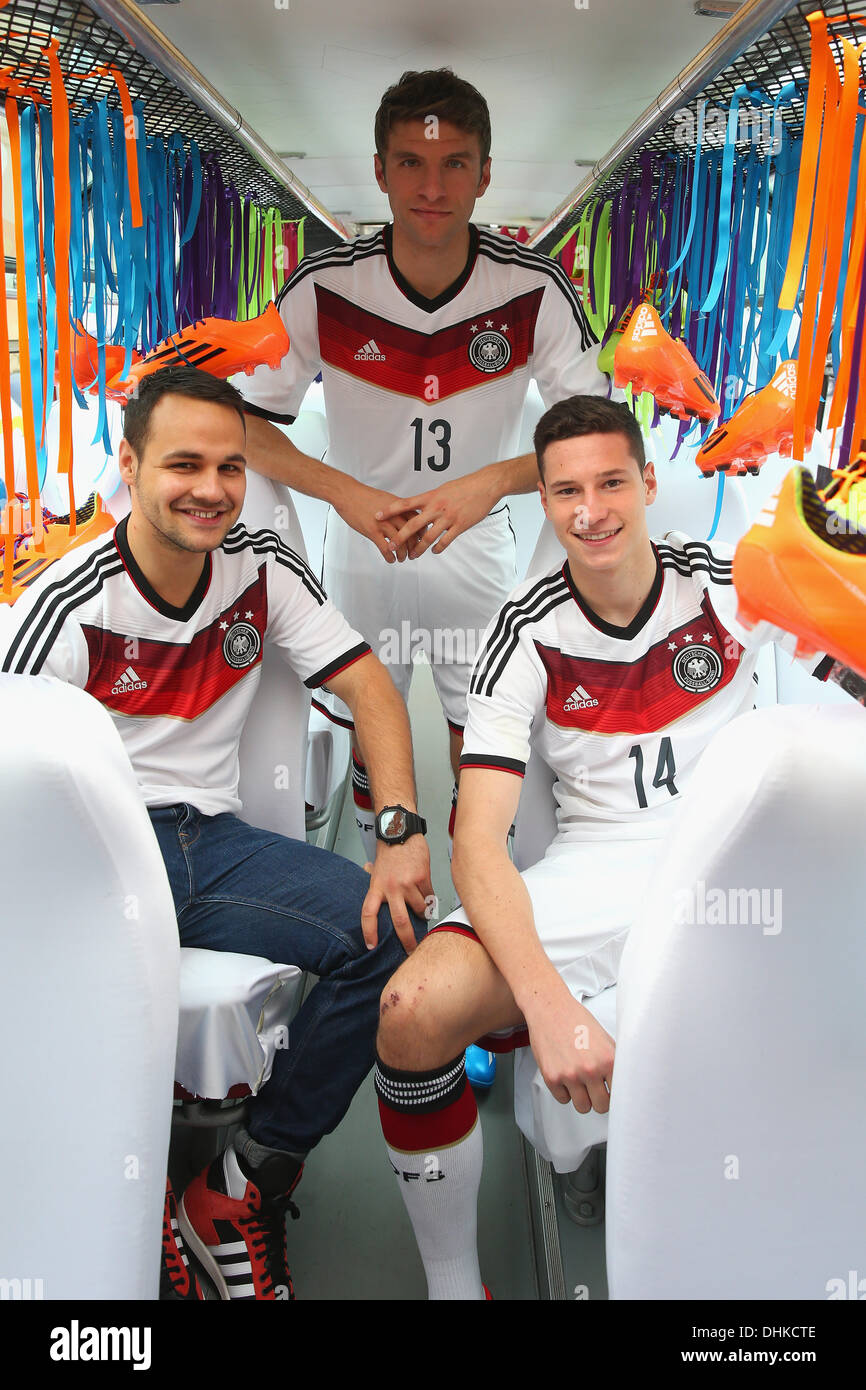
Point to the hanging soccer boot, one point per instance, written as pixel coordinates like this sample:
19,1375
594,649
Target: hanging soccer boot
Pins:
762,425
219,346
648,359
34,549
650,294
802,567
85,361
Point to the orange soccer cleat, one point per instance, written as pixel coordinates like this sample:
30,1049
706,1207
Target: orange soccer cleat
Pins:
85,360
32,553
649,359
802,567
763,424
219,346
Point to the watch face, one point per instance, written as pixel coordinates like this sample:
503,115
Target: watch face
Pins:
393,824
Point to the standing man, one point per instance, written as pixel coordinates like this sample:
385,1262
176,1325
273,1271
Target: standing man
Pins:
183,598
427,334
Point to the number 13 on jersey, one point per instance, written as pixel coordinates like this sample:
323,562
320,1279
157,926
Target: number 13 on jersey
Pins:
441,432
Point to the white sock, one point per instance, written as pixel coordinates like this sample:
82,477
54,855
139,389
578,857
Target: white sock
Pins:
437,1156
364,817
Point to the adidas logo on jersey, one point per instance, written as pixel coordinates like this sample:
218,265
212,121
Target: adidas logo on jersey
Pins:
369,352
127,682
579,699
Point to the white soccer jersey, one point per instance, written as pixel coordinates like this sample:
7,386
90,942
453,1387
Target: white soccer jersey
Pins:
178,683
419,391
621,715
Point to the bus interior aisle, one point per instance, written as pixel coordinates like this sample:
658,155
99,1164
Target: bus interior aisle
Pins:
349,1195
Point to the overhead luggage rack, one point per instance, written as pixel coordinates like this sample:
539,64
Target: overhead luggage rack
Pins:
176,96
765,45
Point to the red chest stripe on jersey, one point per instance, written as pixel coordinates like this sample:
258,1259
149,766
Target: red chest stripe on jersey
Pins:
402,360
139,677
642,696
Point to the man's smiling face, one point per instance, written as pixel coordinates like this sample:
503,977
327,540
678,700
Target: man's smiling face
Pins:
596,499
188,485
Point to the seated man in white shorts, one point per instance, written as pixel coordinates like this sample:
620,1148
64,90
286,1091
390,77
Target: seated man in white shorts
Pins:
619,667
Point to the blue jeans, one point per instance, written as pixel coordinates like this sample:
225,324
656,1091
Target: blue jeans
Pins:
240,889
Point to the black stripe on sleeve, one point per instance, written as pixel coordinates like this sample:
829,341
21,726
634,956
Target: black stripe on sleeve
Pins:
272,415
498,764
335,667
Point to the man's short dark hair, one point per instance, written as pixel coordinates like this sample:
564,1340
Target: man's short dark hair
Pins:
174,381
579,415
437,92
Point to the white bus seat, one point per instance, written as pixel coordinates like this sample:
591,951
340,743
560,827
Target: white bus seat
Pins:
235,1014
329,753
88,1003
730,1036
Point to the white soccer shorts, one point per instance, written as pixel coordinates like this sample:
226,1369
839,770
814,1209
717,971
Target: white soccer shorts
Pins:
438,604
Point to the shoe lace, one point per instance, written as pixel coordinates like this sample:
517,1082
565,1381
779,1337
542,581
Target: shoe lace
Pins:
843,479
172,1258
266,1237
22,537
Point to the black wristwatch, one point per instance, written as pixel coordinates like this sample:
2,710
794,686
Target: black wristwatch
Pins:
394,825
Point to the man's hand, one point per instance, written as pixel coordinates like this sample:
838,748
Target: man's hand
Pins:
574,1054
361,507
400,877
435,518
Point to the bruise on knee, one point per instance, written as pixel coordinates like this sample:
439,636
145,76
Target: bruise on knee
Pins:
389,999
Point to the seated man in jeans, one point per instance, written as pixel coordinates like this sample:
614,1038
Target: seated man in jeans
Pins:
164,622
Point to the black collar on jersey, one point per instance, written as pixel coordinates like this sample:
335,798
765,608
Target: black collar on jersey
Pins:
447,295
640,618
146,589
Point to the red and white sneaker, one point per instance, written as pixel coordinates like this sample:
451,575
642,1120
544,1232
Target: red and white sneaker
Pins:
238,1230
176,1279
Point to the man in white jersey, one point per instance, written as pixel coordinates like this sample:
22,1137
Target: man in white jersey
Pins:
618,666
164,622
426,334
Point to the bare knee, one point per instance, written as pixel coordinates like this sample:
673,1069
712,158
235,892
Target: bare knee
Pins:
414,1033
